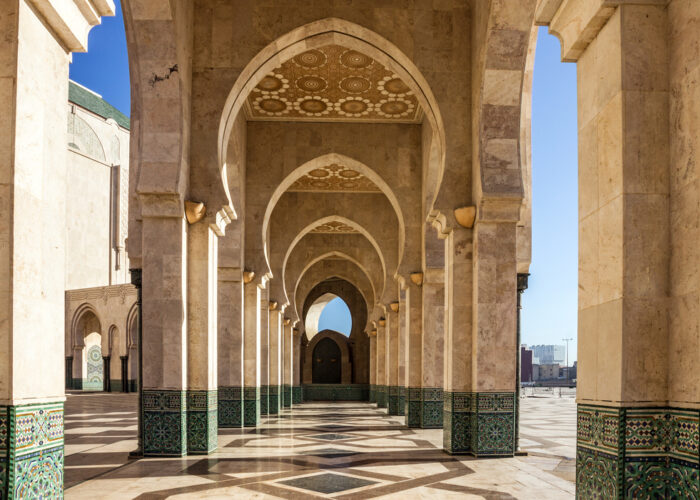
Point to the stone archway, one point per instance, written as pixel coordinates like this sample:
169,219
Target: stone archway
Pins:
345,360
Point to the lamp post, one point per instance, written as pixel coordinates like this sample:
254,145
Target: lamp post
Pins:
567,359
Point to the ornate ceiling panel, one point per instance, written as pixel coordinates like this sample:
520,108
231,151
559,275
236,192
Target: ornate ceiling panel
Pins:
334,178
334,227
333,83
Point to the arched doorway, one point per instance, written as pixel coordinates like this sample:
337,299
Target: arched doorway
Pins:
88,364
326,364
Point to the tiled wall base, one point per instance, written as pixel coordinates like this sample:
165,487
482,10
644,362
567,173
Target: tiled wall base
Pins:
336,392
31,451
401,403
637,452
431,408
413,407
273,398
286,396
251,406
202,417
380,394
230,406
392,402
164,422
133,386
264,399
76,384
479,423
372,393
296,395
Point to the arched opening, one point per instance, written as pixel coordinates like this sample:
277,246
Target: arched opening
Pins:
88,364
326,364
336,316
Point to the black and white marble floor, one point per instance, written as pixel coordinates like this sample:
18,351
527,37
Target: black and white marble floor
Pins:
316,450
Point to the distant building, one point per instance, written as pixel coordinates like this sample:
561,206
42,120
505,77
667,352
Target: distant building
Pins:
525,364
549,354
549,371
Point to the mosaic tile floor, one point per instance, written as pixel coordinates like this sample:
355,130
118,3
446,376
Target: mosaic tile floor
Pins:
318,450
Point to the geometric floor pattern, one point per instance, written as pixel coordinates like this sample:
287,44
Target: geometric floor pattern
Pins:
317,450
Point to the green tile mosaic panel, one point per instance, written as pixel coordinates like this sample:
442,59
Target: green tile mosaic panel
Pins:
637,452
431,408
273,395
456,434
251,406
413,407
372,393
392,400
164,422
401,403
336,392
380,394
202,421
286,396
230,406
31,451
296,395
264,399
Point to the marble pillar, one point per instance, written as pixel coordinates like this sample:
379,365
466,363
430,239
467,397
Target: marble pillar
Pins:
392,328
296,367
251,353
373,366
230,347
287,360
413,314
264,350
275,349
381,388
432,340
202,336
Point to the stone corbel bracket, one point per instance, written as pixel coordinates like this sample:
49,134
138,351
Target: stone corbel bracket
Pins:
194,211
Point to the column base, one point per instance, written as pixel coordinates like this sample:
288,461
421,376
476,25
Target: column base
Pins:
251,406
431,408
164,423
637,452
31,451
393,399
479,423
264,399
273,395
297,395
401,403
381,396
202,421
371,398
413,407
230,406
286,396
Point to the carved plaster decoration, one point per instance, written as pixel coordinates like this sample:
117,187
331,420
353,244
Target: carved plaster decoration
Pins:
382,322
394,306
248,276
273,305
332,83
287,321
335,178
417,278
334,227
194,211
465,216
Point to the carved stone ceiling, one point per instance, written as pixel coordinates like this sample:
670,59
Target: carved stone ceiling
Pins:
333,83
334,227
334,178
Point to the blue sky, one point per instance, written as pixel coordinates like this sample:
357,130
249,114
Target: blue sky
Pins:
549,305
336,316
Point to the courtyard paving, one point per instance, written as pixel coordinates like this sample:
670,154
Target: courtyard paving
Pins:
317,450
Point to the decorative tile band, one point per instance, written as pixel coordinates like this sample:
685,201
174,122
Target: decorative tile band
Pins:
393,400
637,452
230,406
401,404
372,393
381,396
296,395
264,399
251,406
413,407
431,407
273,395
287,396
336,392
202,421
31,451
164,422
479,423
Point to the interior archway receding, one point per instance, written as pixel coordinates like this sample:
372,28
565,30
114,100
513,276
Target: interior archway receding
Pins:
336,316
326,364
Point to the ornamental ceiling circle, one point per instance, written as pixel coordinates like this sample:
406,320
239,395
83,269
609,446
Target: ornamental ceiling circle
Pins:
333,83
334,178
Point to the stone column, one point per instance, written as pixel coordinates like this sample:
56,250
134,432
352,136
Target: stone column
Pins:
402,342
373,366
413,314
296,365
202,311
381,389
35,53
264,350
287,360
251,351
432,340
230,348
392,328
275,382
